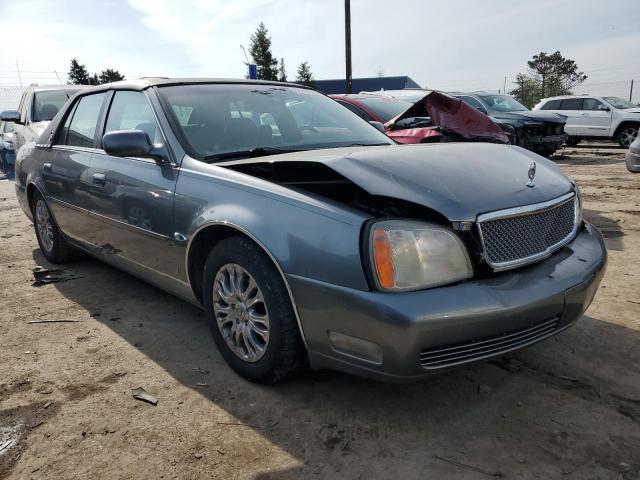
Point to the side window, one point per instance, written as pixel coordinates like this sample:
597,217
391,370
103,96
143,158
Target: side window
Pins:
551,105
571,104
591,104
474,103
131,111
82,127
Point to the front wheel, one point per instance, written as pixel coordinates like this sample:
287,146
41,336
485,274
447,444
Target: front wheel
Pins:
52,243
627,135
250,312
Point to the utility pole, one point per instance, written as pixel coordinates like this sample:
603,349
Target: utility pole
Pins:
631,90
19,76
347,44
504,90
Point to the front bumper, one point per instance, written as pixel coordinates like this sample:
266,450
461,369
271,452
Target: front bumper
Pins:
405,325
633,161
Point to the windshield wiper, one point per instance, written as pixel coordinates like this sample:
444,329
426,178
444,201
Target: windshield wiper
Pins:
253,152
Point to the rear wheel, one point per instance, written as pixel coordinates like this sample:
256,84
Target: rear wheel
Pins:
250,312
572,142
52,243
626,135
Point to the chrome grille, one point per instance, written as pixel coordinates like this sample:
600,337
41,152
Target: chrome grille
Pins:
515,237
471,351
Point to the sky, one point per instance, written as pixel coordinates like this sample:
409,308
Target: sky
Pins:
448,45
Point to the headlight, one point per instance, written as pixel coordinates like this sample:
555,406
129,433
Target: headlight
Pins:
408,255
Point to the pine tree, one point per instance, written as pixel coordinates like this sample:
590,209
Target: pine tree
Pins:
282,71
110,75
260,50
93,79
78,74
305,77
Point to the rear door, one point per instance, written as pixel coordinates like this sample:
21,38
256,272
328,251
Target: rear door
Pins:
132,198
65,167
593,121
572,109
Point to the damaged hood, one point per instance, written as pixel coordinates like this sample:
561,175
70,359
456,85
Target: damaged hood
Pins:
452,115
458,180
527,116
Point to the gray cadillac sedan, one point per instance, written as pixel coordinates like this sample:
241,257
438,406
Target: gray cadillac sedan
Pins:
307,235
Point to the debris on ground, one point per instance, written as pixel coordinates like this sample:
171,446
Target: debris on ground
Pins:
198,455
53,321
470,467
141,394
44,276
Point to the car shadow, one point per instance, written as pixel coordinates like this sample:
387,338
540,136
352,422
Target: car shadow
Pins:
611,230
346,427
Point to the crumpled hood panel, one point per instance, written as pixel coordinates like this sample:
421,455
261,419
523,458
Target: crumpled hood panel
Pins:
458,180
453,115
537,115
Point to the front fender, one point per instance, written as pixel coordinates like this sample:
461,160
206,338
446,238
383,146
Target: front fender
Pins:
304,236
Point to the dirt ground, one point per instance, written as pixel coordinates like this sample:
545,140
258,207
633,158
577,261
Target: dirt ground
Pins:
568,408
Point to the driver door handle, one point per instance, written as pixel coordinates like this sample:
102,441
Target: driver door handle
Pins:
99,178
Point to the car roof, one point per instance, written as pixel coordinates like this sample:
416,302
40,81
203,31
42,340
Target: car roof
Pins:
362,96
146,82
46,88
562,97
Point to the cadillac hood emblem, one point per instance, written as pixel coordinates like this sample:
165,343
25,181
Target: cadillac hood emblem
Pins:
532,174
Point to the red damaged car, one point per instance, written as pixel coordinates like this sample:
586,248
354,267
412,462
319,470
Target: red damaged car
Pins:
437,117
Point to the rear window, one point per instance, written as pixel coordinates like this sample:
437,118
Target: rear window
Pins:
571,104
82,128
551,105
385,108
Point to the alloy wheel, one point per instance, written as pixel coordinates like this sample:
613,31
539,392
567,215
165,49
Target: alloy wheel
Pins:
240,312
44,225
628,135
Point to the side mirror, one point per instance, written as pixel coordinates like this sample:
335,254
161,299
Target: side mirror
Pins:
378,125
604,108
10,116
132,143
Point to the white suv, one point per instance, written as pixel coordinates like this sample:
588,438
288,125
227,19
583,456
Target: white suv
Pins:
591,117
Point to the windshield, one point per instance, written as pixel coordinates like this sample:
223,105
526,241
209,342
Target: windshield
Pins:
503,103
385,108
47,104
620,103
218,119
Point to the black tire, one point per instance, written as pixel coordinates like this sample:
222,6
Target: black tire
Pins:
56,249
572,142
627,134
285,353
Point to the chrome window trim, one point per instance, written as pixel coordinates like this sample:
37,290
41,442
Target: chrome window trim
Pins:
529,210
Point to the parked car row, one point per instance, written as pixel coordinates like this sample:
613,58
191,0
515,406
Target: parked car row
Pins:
307,235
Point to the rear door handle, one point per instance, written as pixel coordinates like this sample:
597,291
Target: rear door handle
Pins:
46,167
99,178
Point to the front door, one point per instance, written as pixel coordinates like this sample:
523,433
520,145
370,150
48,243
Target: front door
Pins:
65,169
132,198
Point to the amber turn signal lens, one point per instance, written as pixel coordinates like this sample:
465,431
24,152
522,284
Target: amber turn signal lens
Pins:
382,259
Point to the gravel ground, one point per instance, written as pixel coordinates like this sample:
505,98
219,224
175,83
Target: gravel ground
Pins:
568,408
